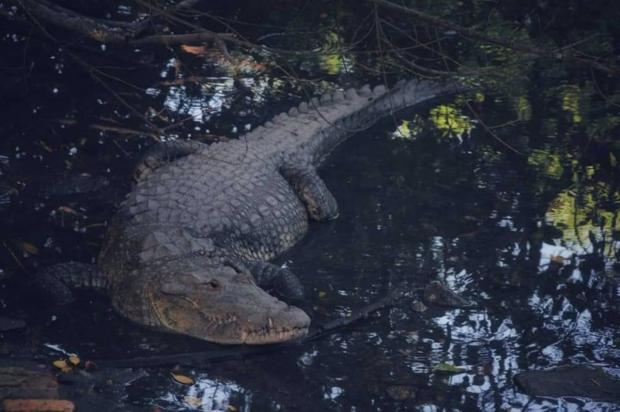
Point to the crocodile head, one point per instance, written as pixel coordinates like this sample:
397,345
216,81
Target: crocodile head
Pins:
222,304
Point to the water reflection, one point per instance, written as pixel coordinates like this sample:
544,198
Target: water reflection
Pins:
332,58
208,395
531,241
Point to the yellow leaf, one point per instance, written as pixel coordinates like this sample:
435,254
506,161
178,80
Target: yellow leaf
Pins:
195,50
448,368
232,408
322,294
67,210
193,401
62,365
45,146
185,380
29,248
74,360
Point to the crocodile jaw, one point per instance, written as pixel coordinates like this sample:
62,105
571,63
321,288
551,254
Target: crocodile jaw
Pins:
287,323
232,330
236,312
293,324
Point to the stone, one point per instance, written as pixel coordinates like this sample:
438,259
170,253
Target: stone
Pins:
571,380
7,324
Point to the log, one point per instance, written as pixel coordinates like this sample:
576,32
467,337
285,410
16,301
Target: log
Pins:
18,382
37,405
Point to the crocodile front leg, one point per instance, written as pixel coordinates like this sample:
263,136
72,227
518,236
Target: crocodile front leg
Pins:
311,189
275,279
164,153
58,281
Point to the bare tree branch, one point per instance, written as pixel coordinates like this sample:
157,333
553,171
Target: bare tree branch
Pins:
189,38
112,31
508,43
105,31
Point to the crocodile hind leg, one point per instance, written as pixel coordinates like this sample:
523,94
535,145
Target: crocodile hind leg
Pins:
311,189
57,281
277,280
164,153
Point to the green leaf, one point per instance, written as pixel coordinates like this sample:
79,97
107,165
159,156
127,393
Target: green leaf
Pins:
448,368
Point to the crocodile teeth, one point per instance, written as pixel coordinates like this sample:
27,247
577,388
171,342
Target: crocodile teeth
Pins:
270,321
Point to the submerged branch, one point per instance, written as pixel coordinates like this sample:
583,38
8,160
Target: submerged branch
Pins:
105,31
189,38
242,352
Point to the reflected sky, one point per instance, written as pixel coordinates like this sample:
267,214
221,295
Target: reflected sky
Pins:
531,241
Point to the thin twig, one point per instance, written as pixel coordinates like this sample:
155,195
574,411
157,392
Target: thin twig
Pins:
491,132
472,34
221,355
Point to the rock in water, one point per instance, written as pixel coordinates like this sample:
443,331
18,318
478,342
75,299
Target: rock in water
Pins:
571,380
7,324
436,293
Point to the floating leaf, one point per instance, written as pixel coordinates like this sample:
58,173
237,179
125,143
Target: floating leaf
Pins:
557,259
62,365
74,360
29,248
182,379
67,210
45,146
90,365
192,401
448,368
195,50
400,392
322,294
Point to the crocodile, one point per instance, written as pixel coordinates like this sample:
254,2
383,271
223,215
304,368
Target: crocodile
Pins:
189,249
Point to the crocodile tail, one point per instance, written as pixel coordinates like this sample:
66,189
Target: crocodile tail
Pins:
410,93
316,126
366,106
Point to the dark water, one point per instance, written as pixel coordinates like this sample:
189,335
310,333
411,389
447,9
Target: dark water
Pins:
531,238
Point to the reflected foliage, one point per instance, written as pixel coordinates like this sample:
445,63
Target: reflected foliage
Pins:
449,121
509,193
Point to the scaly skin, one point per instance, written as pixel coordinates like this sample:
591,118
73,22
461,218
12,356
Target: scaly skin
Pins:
188,248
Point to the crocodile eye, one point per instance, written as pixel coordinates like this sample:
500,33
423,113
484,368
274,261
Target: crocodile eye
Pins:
213,284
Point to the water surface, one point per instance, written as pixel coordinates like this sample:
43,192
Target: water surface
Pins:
529,234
